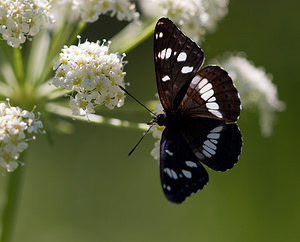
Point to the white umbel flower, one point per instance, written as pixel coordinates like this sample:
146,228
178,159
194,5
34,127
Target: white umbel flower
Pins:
20,19
157,132
255,87
194,17
90,10
93,73
15,126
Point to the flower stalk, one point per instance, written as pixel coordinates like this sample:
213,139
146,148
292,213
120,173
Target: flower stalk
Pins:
95,118
132,35
19,70
9,211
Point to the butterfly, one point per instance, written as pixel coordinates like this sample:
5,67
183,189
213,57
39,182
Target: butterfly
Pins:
200,107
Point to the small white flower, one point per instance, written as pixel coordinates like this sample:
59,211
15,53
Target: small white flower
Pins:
93,73
15,124
11,166
194,17
22,18
255,87
155,152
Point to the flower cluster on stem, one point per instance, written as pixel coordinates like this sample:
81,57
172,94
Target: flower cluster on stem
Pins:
255,87
93,74
20,19
90,11
16,126
195,17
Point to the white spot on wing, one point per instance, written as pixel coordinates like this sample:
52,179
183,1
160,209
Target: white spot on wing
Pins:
171,173
161,34
187,174
169,152
191,164
182,56
207,95
168,171
165,78
216,113
209,150
213,135
208,155
168,53
212,99
187,69
214,141
174,175
206,88
202,83
210,144
163,54
212,105
217,129
195,81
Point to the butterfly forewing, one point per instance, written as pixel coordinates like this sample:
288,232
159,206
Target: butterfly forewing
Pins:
180,171
177,60
212,94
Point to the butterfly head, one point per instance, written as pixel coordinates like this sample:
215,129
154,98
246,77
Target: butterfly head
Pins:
160,119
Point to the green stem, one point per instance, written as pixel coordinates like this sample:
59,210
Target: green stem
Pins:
19,70
52,51
10,206
94,118
131,36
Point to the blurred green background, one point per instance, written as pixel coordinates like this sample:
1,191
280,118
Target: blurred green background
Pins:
85,188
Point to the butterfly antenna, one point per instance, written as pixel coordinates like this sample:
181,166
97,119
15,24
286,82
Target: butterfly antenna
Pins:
141,139
137,101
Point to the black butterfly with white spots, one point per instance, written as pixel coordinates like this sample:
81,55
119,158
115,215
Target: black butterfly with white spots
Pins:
200,108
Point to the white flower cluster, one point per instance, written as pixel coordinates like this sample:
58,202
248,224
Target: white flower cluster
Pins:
22,18
90,10
194,17
157,132
15,125
94,75
255,87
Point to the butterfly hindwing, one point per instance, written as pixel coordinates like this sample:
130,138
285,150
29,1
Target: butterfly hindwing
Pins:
215,144
212,94
180,171
183,149
177,60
